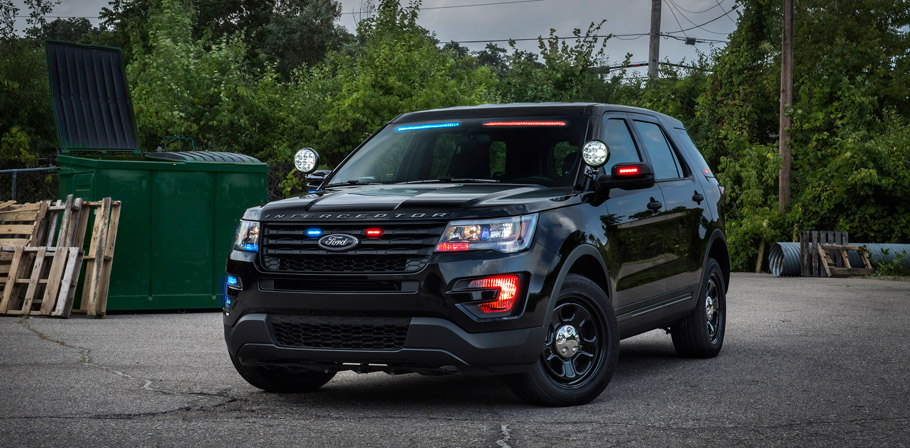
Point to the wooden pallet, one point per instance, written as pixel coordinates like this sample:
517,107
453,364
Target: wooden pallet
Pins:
100,255
63,223
41,280
41,255
810,263
22,225
826,252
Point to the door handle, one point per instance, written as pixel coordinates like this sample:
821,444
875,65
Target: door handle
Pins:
698,197
655,205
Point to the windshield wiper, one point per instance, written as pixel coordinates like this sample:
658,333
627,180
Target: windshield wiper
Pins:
353,182
454,180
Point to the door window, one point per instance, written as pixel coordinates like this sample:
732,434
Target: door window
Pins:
622,147
663,160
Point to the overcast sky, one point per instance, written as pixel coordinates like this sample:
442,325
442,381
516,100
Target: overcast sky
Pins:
520,19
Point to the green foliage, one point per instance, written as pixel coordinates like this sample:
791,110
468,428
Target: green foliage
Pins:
564,75
897,266
397,69
266,77
285,33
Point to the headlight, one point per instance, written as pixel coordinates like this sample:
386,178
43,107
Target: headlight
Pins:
247,236
503,235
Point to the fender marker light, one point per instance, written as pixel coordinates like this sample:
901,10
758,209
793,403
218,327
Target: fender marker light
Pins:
427,126
374,232
508,290
627,170
525,123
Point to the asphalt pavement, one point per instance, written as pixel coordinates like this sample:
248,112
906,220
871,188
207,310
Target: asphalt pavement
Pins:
806,362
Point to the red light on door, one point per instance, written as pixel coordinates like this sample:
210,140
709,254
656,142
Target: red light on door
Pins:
627,170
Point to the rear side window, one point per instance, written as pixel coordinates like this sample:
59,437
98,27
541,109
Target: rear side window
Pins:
622,147
665,163
697,158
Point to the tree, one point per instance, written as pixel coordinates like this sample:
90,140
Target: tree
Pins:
397,69
287,33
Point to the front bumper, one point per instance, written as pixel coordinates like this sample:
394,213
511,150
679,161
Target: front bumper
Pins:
431,344
442,333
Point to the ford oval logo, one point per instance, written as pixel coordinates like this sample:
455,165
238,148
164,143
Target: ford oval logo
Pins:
338,241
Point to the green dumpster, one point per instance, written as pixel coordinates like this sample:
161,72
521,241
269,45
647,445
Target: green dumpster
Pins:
179,209
177,221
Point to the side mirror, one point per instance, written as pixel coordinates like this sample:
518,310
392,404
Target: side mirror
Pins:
316,177
628,176
306,160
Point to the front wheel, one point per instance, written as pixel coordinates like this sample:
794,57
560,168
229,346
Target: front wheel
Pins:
282,381
701,334
580,354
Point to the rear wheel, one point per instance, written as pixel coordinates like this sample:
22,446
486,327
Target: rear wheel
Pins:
701,334
281,381
580,354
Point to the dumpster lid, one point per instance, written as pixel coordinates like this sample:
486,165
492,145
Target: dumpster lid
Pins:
204,157
91,99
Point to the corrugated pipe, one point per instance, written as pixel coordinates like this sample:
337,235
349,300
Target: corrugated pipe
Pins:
784,258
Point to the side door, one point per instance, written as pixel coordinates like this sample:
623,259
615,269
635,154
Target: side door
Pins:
633,253
682,212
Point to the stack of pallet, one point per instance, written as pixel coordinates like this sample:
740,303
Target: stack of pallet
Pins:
42,253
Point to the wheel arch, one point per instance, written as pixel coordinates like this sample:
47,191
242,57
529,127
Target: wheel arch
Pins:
717,249
584,260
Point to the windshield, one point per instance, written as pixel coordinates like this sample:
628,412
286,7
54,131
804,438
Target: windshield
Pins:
544,151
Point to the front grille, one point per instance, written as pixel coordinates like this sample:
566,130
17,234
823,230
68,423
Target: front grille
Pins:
402,248
346,333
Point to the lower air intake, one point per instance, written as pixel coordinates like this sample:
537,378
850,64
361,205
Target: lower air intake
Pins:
346,333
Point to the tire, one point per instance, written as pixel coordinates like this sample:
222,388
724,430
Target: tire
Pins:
701,334
574,377
281,381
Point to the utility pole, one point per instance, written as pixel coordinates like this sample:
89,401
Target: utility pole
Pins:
654,49
786,100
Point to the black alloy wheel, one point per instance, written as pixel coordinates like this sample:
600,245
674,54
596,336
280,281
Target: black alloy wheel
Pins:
581,351
701,334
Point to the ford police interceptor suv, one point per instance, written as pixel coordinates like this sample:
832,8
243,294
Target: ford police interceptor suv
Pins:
522,240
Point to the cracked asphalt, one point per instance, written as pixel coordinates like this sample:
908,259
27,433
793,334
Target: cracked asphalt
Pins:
806,362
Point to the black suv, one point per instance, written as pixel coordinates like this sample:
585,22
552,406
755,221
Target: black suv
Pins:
522,240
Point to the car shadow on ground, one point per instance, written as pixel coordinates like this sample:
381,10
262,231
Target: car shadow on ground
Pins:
638,358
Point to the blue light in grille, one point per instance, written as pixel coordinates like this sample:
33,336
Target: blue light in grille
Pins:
314,232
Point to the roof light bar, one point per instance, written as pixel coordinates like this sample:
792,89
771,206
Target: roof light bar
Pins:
427,126
525,123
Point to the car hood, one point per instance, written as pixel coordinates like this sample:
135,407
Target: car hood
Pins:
404,201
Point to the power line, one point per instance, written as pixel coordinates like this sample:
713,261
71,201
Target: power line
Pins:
608,69
671,4
631,36
699,40
722,9
670,7
62,17
698,12
703,24
423,8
